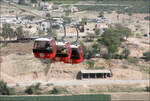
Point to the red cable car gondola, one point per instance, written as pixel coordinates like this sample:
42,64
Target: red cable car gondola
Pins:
76,52
76,55
44,48
63,53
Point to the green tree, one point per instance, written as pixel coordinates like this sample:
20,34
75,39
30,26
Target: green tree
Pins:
55,91
123,31
96,46
19,32
33,1
101,14
4,89
97,31
90,63
29,17
146,56
7,32
111,40
84,20
66,20
11,33
33,89
49,30
67,12
21,2
126,53
92,50
84,49
90,37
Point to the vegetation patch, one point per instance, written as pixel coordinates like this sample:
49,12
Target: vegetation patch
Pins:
146,56
132,60
5,90
58,90
147,18
33,89
92,97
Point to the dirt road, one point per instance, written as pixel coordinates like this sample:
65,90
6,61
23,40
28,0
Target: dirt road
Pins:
86,82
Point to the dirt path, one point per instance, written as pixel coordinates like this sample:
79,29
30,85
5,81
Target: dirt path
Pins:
86,82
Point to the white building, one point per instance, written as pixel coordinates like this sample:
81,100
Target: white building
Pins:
46,5
9,19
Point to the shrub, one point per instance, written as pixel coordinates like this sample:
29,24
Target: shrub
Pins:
126,53
29,90
102,67
146,56
33,89
125,67
138,35
56,90
133,60
147,18
106,56
91,52
5,90
84,49
4,45
90,63
116,56
49,84
148,88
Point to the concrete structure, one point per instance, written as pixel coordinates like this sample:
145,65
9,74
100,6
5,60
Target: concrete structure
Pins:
87,74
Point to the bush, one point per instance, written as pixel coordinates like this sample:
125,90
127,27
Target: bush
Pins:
125,67
56,90
148,88
106,56
146,56
91,52
147,18
84,49
138,35
116,56
5,90
126,53
90,63
4,45
133,60
102,67
33,89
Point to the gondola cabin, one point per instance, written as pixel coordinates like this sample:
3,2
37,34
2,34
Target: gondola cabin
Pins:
63,52
44,48
76,54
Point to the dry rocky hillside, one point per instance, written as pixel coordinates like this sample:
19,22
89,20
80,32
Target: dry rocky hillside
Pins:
19,65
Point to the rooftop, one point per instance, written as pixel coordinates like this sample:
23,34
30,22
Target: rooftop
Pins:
95,71
42,39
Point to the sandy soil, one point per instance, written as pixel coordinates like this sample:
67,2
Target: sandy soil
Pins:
20,64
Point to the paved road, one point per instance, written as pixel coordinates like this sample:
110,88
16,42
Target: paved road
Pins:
85,82
99,5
